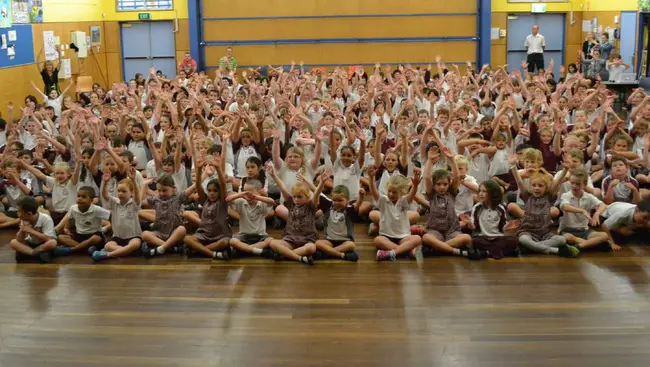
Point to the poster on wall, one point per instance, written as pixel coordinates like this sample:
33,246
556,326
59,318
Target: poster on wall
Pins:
20,10
49,46
5,13
35,11
95,36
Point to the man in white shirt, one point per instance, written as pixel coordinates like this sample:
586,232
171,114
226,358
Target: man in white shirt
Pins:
535,45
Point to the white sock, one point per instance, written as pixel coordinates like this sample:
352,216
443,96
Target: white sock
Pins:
256,251
392,253
160,250
219,255
456,251
214,254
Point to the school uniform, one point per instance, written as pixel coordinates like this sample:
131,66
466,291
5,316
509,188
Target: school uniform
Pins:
44,225
88,223
252,220
64,195
124,220
573,223
394,220
339,227
489,235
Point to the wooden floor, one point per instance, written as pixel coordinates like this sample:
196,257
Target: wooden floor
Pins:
530,311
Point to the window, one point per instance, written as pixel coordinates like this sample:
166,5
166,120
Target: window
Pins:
131,5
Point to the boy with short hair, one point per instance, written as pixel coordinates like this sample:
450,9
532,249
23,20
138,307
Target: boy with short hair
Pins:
625,218
36,237
87,219
577,205
253,209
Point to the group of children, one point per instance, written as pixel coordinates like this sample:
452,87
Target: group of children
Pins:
495,162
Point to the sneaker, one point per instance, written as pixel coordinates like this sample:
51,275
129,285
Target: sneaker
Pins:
512,225
178,249
568,251
307,260
277,257
373,229
351,256
44,257
417,230
474,254
100,255
92,250
62,251
147,251
383,255
267,253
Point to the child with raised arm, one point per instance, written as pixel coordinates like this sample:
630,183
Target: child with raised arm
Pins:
300,235
36,237
535,232
395,236
443,229
87,219
167,230
253,208
127,233
339,229
214,234
577,205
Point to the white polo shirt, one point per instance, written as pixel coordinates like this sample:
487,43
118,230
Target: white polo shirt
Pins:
535,44
586,202
44,225
90,221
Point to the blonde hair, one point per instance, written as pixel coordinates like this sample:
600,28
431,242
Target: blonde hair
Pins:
128,183
301,188
542,175
63,166
532,154
299,152
461,160
401,182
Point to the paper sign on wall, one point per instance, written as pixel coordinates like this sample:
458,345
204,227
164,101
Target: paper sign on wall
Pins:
66,68
49,46
12,36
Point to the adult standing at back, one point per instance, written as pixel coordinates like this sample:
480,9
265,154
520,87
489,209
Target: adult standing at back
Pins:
535,45
228,62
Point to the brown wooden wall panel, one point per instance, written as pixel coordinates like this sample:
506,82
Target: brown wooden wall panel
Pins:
347,53
257,8
182,37
270,29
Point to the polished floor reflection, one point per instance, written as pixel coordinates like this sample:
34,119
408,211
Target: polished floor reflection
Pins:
531,311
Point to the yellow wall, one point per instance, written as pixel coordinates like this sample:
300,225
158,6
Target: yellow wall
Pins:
55,11
110,13
611,5
505,6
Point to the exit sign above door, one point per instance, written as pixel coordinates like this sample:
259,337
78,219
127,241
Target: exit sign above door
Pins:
538,8
144,16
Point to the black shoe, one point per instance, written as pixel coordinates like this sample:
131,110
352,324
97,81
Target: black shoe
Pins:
178,249
91,250
147,251
267,253
20,257
277,257
319,255
351,256
568,251
44,257
604,247
308,260
427,251
474,254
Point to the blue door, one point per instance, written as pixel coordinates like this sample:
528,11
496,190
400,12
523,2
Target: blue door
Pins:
628,37
551,26
148,44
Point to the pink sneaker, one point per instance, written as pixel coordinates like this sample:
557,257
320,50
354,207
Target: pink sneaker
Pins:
373,229
417,230
383,255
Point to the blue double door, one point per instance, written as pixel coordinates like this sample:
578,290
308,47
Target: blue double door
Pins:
551,26
146,45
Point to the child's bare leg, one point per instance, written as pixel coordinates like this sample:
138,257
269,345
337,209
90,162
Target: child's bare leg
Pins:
413,216
432,241
375,216
67,241
346,246
8,222
644,193
175,238
233,214
192,217
219,245
27,250
151,239
407,244
515,210
284,248
307,249
117,251
282,212
594,238
250,249
92,241
365,208
147,215
327,248
460,241
270,215
383,243
194,244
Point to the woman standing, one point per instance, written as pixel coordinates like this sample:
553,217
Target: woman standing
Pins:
49,72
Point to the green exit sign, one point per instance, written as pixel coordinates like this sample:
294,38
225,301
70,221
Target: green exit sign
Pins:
144,16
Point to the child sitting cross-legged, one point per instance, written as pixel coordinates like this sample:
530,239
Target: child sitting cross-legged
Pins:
36,237
87,218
